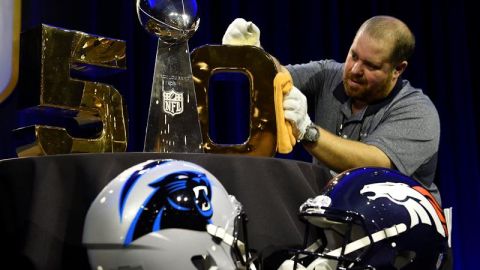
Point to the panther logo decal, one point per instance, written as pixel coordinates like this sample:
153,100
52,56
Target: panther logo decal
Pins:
420,204
180,199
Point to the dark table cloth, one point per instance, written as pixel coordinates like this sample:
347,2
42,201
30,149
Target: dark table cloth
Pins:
44,200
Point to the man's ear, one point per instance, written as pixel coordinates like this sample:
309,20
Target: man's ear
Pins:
400,68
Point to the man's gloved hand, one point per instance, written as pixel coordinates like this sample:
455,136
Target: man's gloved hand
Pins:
241,32
295,110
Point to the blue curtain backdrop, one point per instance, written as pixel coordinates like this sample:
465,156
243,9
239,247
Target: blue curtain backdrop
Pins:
444,66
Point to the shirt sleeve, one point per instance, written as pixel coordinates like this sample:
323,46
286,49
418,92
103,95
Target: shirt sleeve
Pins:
312,77
409,134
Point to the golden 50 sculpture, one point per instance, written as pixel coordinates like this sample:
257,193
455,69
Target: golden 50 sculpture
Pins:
85,103
176,123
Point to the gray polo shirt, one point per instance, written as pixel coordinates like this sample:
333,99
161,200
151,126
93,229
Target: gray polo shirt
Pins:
405,125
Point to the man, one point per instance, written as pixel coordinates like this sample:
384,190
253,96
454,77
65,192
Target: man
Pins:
365,114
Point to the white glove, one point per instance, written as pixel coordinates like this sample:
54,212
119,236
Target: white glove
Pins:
295,111
241,32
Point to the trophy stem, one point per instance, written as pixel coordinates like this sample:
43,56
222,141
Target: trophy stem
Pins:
173,124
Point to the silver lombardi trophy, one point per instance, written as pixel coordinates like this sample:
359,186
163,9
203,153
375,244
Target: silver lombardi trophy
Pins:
173,118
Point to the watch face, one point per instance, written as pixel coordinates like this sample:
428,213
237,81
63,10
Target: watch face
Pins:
311,134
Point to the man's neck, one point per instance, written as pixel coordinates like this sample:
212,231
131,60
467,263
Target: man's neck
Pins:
358,106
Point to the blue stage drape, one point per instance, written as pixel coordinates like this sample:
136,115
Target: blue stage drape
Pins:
444,66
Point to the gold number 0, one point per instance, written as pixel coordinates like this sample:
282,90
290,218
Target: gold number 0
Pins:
260,69
62,51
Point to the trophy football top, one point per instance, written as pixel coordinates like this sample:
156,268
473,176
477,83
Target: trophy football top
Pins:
172,21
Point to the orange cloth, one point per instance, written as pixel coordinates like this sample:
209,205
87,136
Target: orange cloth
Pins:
285,140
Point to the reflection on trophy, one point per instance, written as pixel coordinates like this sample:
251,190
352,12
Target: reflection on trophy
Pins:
172,22
173,119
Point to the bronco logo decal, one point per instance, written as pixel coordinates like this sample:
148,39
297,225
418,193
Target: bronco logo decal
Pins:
421,206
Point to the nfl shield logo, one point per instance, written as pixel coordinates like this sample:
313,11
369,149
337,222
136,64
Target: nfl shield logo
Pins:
172,102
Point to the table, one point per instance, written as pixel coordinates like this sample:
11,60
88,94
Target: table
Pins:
44,200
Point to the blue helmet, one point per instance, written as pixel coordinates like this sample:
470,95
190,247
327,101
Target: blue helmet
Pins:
373,218
164,214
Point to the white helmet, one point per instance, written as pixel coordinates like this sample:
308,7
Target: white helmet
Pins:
164,214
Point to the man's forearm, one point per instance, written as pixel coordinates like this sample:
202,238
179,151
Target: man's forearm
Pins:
341,154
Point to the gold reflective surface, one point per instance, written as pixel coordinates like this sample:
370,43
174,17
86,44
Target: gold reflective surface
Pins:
62,51
260,69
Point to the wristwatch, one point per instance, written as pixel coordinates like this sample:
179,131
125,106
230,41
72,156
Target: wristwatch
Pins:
312,134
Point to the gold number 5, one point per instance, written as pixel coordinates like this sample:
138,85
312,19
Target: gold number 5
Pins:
64,51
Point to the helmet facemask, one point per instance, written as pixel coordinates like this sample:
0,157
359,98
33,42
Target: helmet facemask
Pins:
343,240
240,250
